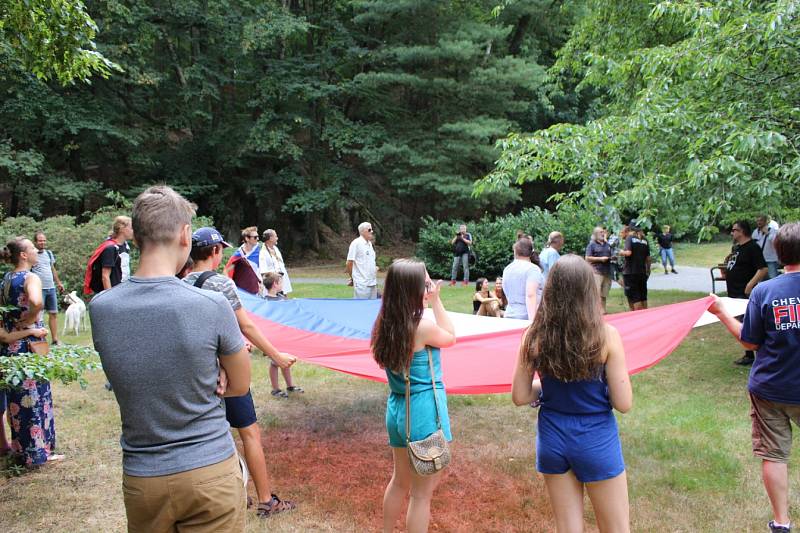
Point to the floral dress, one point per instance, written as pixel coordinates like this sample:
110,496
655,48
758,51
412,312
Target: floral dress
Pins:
30,407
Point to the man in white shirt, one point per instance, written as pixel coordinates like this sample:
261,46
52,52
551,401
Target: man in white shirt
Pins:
765,237
361,266
522,283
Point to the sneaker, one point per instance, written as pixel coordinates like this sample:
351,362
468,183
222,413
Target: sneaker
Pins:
745,360
666,272
295,389
278,393
452,283
466,283
674,271
778,529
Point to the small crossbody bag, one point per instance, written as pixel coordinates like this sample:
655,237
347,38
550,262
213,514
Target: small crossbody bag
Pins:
431,454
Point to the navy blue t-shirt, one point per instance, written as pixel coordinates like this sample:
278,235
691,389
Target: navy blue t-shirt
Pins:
772,321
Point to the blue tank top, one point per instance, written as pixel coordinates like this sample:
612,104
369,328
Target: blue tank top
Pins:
576,397
419,375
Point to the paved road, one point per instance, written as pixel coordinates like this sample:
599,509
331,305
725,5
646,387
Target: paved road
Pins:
692,279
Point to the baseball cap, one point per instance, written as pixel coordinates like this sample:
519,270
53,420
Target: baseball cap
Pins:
208,236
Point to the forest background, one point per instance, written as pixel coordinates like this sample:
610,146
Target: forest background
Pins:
311,115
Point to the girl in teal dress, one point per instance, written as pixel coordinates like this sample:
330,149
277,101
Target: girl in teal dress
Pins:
400,341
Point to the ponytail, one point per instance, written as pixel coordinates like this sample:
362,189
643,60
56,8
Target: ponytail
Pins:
12,250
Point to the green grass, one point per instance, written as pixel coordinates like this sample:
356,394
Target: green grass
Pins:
686,444
700,255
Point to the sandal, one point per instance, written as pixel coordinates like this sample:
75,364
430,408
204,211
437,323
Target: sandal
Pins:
278,393
295,389
274,506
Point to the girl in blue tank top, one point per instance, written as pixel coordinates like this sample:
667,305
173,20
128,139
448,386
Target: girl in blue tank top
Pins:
401,339
581,365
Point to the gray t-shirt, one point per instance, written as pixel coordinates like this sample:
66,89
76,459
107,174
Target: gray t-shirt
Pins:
44,268
218,283
516,277
159,340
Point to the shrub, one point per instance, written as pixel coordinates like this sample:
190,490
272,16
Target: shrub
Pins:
494,238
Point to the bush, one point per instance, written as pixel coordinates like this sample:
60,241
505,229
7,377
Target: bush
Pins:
494,238
73,243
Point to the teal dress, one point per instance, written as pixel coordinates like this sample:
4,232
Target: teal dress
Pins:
423,410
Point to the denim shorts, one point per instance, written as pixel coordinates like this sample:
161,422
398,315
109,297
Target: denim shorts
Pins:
587,444
50,300
240,411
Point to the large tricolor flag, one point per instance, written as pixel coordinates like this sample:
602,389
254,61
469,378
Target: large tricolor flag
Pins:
335,334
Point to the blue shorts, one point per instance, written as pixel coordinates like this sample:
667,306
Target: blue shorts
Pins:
586,444
240,411
50,300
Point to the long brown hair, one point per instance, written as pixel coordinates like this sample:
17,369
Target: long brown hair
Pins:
567,337
392,339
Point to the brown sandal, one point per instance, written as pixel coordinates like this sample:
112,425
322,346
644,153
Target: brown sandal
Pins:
274,506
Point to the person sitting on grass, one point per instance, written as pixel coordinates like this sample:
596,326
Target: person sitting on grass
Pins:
402,342
499,293
207,245
582,377
485,303
162,343
7,338
273,283
771,327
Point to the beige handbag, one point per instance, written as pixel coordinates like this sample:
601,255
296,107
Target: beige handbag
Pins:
432,453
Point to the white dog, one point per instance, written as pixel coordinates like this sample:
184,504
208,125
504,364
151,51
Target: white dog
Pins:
75,315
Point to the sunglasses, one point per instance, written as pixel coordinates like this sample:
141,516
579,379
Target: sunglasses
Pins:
252,237
371,230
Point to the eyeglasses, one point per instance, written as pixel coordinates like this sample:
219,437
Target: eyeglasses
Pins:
252,237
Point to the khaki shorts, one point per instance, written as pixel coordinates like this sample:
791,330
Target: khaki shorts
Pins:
772,428
211,498
603,284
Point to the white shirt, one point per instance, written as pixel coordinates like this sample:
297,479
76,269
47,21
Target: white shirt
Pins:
766,241
268,263
362,254
516,278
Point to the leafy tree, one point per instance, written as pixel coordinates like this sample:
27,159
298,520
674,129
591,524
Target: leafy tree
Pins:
698,114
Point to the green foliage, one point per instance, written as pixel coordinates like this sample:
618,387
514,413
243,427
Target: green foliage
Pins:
72,242
51,39
495,236
64,363
700,118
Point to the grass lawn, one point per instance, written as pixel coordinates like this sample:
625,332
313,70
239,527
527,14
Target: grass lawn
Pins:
706,255
686,444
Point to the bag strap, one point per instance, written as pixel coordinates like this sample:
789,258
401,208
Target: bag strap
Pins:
408,399
202,278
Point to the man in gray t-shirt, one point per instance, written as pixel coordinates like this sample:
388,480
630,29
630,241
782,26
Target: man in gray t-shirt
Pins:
161,343
45,268
522,283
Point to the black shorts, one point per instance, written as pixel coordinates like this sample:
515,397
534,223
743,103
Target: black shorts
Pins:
240,411
635,287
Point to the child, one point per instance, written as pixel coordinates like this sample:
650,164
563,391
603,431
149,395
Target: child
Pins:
402,341
273,284
581,365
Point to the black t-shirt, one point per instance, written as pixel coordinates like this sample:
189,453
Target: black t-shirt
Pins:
665,240
636,263
460,247
109,258
745,260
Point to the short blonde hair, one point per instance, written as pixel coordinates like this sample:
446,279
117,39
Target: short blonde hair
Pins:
249,229
119,223
159,213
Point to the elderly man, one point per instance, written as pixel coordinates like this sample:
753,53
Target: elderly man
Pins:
361,266
461,243
772,327
599,255
765,238
551,254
